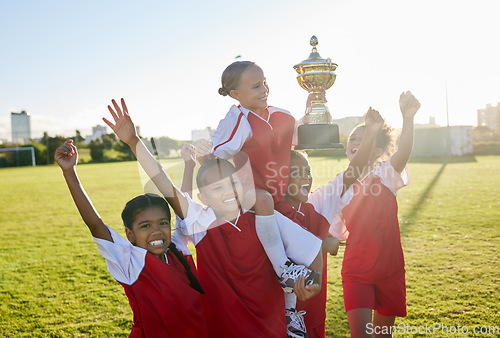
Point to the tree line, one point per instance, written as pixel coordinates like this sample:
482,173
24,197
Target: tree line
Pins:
106,149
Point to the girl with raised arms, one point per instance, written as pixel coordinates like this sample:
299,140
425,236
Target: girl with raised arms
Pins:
155,269
373,269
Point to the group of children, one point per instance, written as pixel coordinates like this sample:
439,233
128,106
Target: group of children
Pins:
261,236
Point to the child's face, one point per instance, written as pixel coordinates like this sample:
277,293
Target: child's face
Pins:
151,231
300,181
222,192
252,90
354,142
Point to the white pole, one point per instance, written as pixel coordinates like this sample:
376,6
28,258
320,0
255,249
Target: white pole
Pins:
448,140
33,156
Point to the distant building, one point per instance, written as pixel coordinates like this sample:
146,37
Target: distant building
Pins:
97,133
201,134
489,117
461,142
433,142
431,124
20,127
347,124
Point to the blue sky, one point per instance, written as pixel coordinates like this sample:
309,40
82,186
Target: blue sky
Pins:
63,61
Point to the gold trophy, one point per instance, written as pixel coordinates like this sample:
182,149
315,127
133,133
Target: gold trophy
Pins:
316,75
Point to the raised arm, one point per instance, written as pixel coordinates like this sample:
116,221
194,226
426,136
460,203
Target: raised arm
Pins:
409,105
124,128
203,151
66,157
373,123
188,153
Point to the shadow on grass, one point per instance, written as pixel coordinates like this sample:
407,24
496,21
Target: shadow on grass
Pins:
444,160
418,205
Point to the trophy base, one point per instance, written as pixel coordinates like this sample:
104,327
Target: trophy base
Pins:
318,136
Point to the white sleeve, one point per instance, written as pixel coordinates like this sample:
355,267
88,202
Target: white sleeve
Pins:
338,228
124,260
231,134
327,200
197,221
179,239
390,178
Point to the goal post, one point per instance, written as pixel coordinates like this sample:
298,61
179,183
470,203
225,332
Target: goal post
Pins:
16,155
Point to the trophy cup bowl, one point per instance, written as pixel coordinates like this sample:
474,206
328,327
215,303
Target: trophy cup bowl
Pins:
316,75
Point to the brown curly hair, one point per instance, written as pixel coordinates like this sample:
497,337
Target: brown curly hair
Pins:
385,140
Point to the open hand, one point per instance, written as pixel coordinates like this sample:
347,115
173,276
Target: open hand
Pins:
373,120
305,292
123,127
408,104
66,155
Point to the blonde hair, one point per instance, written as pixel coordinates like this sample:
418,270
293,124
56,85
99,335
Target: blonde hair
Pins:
231,76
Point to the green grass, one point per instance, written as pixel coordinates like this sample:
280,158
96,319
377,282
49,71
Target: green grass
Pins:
54,282
84,155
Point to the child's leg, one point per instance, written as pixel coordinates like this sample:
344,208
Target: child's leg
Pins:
275,242
290,300
383,324
267,230
295,326
359,299
301,246
390,299
358,322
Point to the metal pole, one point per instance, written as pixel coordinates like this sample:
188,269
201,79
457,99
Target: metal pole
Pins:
47,144
448,140
33,156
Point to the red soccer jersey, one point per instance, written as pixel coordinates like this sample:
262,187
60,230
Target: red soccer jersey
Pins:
163,303
374,251
269,152
162,300
315,307
243,297
266,143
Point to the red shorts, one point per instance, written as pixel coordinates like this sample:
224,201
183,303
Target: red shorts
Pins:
387,296
316,332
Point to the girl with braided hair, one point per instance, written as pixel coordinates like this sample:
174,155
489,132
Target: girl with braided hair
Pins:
155,268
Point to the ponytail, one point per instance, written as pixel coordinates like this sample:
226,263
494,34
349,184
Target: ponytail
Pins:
195,284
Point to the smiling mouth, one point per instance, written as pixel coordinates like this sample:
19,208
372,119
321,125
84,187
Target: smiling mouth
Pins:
304,189
229,200
157,242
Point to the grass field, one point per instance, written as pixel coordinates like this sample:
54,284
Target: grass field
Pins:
54,282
